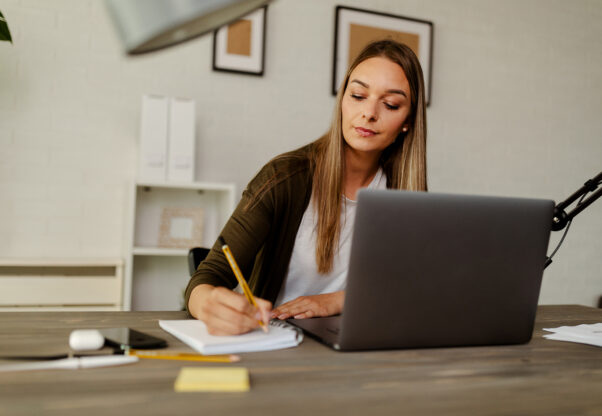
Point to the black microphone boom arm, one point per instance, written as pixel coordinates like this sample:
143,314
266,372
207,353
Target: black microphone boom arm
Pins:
561,217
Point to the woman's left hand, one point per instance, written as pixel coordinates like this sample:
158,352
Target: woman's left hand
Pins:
311,306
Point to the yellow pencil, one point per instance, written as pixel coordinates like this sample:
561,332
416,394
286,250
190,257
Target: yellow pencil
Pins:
241,280
182,356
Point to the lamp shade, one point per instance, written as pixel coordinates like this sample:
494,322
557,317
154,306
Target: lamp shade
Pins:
148,25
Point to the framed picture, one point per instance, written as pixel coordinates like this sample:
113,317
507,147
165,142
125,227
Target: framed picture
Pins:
355,28
240,46
181,227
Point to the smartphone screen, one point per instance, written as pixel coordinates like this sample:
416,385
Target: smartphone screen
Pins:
130,338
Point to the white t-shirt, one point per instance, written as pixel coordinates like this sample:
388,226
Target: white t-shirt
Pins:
302,278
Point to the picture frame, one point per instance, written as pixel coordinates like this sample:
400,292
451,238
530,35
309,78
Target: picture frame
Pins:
355,28
239,47
181,227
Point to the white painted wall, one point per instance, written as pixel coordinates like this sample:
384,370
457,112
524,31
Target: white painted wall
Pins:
516,110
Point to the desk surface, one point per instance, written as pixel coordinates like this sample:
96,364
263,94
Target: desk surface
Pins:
540,378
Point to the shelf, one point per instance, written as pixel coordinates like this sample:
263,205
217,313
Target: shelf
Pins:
157,251
201,186
58,262
155,277
61,284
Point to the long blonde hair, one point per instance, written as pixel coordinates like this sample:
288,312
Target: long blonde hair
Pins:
403,162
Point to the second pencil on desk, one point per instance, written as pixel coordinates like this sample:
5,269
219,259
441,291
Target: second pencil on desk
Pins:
182,356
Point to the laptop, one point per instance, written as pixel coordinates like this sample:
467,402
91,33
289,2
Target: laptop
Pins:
439,270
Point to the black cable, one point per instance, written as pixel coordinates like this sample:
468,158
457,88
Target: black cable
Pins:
566,230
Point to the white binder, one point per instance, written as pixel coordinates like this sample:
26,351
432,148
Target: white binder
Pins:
152,159
180,167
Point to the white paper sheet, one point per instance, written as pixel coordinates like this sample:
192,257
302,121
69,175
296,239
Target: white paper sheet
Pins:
583,334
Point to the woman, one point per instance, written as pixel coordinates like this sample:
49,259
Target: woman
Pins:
290,233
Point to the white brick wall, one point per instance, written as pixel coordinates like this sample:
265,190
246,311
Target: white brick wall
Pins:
515,110
65,160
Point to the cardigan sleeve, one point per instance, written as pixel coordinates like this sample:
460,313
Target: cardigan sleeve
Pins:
261,231
245,233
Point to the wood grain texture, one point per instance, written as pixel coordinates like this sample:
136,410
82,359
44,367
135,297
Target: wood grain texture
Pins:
539,378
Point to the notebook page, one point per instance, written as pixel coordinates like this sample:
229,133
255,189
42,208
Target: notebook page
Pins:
194,333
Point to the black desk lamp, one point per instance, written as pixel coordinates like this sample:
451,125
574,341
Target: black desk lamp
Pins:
563,219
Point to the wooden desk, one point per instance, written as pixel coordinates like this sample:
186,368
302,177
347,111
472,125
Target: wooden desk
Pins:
540,378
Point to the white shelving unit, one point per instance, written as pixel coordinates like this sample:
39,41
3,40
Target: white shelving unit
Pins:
82,284
155,277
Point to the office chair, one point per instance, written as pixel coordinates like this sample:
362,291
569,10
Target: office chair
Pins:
195,256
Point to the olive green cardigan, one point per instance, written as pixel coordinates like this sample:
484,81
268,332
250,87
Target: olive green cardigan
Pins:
261,232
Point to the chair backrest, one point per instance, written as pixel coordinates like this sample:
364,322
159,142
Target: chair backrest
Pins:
195,256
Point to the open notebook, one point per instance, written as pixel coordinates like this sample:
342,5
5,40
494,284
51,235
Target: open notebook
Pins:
194,333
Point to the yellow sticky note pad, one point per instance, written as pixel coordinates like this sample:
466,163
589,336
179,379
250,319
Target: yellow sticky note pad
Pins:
212,379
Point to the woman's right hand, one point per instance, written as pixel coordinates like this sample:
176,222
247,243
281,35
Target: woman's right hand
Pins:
226,312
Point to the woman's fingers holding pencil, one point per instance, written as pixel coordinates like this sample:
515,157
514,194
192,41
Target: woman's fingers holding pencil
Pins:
224,311
264,310
222,318
221,310
230,313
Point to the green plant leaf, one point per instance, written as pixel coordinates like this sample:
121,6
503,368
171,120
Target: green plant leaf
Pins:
4,32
